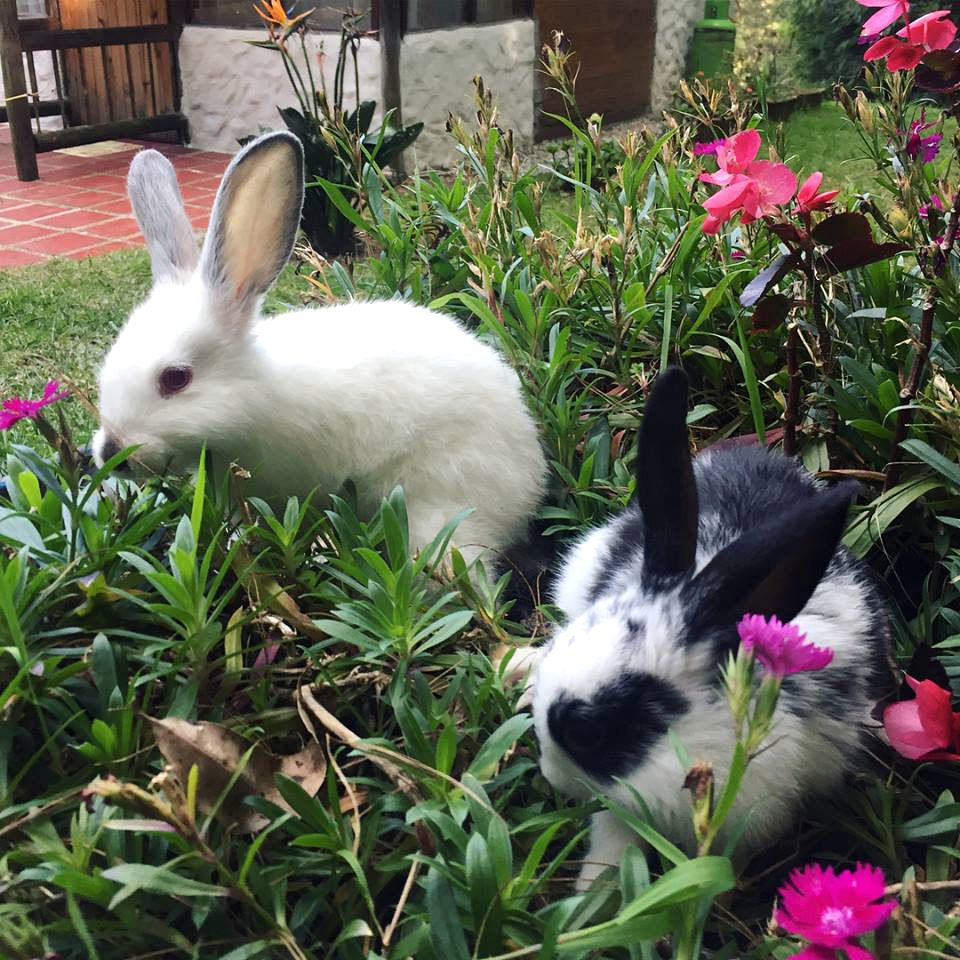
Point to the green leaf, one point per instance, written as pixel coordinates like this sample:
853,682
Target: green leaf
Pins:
504,737
926,453
249,950
869,525
446,932
141,876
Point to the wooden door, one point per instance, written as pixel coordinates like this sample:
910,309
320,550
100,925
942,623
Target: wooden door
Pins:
117,82
613,41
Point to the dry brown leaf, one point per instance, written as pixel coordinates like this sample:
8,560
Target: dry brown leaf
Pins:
217,751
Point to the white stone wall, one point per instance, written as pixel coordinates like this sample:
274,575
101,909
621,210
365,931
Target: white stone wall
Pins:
675,22
231,89
436,72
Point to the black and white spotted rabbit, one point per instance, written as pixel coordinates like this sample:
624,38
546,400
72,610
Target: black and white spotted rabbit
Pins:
652,600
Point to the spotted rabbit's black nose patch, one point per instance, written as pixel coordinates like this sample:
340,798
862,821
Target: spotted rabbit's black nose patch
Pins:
610,734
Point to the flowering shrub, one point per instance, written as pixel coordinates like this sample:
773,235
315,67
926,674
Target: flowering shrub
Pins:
141,623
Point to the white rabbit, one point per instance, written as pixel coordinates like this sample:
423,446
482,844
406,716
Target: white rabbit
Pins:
380,393
652,600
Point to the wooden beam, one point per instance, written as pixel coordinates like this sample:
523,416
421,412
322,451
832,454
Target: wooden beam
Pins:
45,108
390,37
95,132
15,92
100,37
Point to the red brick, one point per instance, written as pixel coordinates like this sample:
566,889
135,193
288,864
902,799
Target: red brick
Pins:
115,229
38,190
109,247
193,193
121,206
19,258
90,198
200,222
28,212
59,244
103,181
75,218
22,231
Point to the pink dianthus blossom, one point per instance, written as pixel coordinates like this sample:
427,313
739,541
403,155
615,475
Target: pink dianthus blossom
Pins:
780,647
754,188
809,200
16,409
925,728
889,12
929,32
831,910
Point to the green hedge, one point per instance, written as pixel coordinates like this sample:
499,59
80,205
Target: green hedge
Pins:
825,35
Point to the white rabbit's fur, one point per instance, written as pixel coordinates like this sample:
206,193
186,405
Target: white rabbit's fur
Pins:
380,393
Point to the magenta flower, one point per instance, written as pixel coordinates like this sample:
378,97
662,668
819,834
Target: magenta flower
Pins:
780,647
924,147
925,728
703,149
809,200
16,409
736,254
889,12
934,203
830,910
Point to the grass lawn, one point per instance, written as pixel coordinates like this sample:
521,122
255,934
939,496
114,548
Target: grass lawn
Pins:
822,138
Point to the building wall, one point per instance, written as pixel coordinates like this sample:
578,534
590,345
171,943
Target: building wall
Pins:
675,23
231,89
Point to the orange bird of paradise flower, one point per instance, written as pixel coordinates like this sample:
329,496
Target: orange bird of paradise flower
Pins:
272,12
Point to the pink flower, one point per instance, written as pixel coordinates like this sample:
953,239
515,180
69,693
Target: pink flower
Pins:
890,11
925,728
924,147
734,155
780,647
926,33
754,188
737,255
703,149
935,203
16,408
809,200
829,910
931,30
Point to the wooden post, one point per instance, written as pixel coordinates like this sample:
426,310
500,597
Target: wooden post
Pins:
390,36
15,92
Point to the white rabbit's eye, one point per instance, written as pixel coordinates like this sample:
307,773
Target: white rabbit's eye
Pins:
174,379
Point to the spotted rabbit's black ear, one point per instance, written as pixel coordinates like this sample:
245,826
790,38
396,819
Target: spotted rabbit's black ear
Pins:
666,490
774,567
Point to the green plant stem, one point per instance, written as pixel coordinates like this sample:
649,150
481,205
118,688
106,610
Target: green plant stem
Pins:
923,344
791,418
313,86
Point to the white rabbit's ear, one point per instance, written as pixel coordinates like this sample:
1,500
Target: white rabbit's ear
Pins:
254,223
158,207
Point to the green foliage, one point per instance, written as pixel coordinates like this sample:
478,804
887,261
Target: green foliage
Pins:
433,834
336,144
